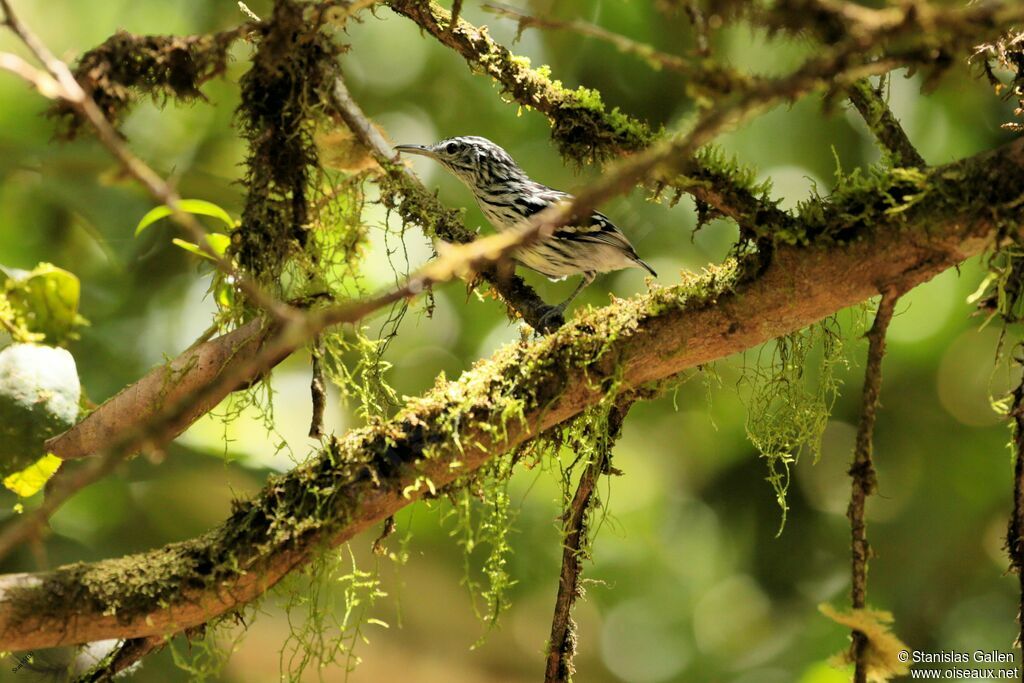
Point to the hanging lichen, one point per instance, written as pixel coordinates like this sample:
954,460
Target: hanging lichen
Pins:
788,408
482,513
322,635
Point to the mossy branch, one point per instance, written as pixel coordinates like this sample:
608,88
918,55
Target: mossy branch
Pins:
581,126
507,400
576,520
705,77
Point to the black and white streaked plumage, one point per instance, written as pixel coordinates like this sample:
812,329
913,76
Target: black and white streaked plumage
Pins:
508,197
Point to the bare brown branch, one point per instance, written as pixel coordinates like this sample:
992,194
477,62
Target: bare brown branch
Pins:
862,472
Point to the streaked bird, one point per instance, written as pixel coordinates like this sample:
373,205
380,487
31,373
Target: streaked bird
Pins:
508,197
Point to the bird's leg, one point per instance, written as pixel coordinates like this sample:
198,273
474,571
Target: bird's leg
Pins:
588,277
557,311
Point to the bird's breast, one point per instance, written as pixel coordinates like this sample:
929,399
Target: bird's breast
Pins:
500,211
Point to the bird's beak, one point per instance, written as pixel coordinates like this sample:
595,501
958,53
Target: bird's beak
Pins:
414,149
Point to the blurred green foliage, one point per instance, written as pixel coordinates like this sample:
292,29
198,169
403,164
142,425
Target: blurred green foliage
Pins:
689,581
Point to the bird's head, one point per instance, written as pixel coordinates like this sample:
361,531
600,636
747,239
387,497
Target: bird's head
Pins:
476,161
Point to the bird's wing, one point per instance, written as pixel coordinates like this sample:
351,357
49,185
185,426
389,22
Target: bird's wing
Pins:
598,229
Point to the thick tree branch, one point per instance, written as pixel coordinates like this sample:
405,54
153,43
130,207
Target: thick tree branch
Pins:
507,400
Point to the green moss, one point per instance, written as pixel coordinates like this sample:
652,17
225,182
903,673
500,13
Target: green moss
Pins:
321,633
354,363
281,104
202,652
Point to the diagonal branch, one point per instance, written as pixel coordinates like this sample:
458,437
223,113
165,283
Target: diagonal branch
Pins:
704,76
884,125
580,125
69,91
509,399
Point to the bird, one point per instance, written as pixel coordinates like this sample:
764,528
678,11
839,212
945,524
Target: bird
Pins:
508,198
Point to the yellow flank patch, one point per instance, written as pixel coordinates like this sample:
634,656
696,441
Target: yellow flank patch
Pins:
31,480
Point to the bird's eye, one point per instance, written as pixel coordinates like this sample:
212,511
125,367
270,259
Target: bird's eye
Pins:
451,147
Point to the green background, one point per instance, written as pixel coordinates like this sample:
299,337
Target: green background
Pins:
690,582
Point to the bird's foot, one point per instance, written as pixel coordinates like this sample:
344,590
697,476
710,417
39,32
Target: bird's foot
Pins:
552,318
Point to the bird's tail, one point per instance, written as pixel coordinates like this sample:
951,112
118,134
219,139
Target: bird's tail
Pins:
643,264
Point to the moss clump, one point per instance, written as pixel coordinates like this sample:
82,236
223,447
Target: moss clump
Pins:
280,105
483,514
859,201
162,67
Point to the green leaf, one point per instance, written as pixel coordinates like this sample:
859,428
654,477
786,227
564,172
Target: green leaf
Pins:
44,301
196,206
33,478
218,242
224,294
191,247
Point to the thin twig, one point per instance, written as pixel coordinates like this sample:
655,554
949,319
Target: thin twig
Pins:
317,390
862,472
40,80
1015,533
884,125
562,645
708,77
700,27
